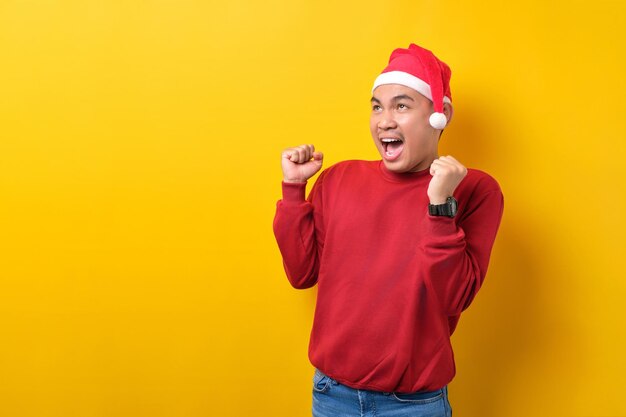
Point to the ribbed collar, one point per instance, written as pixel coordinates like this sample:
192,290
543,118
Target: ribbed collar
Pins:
403,177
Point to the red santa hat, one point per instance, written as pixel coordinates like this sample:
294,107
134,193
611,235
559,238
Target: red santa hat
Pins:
421,70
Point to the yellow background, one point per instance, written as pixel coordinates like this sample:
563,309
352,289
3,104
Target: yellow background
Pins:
139,170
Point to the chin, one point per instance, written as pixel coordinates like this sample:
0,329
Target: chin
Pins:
396,166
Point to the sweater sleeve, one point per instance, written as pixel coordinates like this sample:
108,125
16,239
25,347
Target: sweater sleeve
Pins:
295,224
457,251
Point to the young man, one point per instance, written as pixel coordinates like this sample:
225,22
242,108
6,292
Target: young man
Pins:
398,247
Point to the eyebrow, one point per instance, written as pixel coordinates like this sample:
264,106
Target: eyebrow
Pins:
396,98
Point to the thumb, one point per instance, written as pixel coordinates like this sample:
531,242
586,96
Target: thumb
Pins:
318,156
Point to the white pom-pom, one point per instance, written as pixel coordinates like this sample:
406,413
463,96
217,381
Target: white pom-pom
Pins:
438,120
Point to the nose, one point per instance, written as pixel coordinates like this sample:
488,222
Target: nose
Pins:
387,121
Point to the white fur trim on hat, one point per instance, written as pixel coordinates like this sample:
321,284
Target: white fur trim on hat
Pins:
407,80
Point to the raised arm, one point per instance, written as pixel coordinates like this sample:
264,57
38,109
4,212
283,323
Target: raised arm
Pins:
295,218
456,251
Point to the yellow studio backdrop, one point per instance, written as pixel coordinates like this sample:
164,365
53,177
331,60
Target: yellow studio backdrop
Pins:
140,166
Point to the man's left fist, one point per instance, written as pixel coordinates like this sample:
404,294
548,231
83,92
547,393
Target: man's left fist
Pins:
447,174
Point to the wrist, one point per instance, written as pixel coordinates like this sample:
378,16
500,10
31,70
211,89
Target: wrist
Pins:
440,199
296,181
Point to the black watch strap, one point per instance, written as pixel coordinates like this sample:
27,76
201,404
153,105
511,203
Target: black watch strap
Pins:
447,209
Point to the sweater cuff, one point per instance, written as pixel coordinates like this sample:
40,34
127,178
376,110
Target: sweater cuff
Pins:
294,191
442,225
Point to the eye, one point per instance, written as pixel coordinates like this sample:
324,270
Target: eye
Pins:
402,106
376,107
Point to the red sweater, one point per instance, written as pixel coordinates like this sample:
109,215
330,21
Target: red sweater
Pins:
392,280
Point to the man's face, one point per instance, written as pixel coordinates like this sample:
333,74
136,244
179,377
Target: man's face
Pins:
400,128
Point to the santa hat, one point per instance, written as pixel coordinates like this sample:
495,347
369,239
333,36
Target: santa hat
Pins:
421,70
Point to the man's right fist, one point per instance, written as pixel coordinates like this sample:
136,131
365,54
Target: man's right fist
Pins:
301,163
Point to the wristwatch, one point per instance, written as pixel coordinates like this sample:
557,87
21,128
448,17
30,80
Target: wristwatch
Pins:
447,209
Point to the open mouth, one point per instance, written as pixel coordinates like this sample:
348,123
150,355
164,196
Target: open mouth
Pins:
392,148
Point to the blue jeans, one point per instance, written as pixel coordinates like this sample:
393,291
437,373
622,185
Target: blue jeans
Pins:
332,399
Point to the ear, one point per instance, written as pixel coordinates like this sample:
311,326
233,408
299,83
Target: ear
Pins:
448,111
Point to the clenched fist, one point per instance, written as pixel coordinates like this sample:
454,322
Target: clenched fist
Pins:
447,174
301,163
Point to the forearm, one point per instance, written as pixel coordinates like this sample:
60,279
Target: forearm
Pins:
454,274
294,229
456,256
